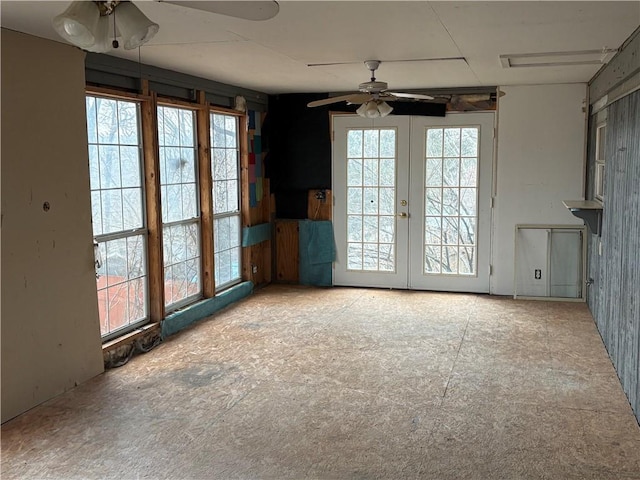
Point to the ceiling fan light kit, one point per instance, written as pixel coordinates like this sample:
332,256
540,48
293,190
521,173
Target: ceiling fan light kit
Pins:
86,25
374,109
78,23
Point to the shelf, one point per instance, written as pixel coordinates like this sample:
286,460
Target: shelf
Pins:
588,210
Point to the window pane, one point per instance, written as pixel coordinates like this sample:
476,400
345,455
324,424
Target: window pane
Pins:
434,142
354,256
388,143
109,166
226,198
128,123
387,172
107,121
371,138
180,204
450,171
354,172
452,142
112,220
132,208
354,143
469,142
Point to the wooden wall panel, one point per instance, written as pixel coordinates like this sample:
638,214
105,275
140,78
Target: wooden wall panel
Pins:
287,251
614,296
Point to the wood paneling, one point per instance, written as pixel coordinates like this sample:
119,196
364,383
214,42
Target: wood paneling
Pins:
614,296
206,200
154,213
287,251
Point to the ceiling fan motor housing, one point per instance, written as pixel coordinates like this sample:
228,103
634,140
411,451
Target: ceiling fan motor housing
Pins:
373,87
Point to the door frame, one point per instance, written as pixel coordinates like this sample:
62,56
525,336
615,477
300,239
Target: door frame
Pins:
406,244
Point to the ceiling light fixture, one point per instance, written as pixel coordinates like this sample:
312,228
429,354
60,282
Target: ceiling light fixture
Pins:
374,109
86,25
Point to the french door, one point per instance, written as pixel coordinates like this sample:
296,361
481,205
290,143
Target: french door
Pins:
412,201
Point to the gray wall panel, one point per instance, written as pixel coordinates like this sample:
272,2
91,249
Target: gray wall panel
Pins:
614,297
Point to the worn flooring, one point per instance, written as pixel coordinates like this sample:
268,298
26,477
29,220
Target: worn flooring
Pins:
346,383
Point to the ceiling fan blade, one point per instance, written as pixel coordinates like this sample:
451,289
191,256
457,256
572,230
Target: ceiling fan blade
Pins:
417,96
255,10
350,98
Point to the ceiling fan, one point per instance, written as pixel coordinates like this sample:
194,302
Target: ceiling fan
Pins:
96,25
373,96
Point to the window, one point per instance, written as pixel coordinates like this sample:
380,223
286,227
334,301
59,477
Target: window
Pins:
371,174
179,205
119,225
601,134
225,174
168,243
451,197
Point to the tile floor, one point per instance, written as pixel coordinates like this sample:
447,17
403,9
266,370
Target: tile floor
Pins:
347,383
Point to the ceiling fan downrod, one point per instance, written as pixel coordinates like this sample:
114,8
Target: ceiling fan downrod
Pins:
372,65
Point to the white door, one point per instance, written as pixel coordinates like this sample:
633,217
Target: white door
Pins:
412,201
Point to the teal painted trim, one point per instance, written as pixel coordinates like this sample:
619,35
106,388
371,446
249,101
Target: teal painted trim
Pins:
182,319
256,234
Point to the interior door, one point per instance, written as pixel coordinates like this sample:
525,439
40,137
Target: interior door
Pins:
412,201
370,182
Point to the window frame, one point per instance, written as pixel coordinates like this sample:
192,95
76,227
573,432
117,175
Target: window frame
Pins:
600,160
142,231
197,220
240,130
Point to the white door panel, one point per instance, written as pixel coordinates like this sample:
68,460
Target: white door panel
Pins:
450,204
370,179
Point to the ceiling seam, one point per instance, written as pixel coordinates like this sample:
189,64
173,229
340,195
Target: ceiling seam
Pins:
454,42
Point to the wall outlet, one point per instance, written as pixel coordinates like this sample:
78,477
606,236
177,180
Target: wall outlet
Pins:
537,274
254,268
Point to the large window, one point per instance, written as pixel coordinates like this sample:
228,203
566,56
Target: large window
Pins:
119,225
166,243
226,200
180,205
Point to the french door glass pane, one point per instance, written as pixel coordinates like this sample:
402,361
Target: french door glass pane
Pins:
115,169
451,196
371,173
225,173
180,204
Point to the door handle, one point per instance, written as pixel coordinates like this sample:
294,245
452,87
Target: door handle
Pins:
403,214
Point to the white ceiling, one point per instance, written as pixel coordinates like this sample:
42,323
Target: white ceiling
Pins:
272,56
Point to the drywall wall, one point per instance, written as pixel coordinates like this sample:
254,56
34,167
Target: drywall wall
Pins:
50,331
540,163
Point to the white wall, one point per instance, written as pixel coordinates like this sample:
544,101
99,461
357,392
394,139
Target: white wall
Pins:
50,328
540,163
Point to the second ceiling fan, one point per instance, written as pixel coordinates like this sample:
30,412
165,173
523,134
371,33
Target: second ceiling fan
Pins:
372,96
